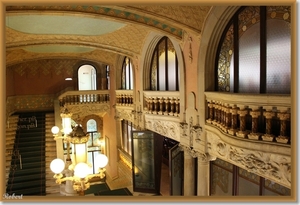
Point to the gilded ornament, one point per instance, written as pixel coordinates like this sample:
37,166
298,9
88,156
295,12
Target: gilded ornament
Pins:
253,21
244,28
273,14
286,16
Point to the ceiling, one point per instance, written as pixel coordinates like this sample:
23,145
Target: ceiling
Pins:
93,32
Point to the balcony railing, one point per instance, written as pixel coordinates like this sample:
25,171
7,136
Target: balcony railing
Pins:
256,117
162,103
84,96
124,97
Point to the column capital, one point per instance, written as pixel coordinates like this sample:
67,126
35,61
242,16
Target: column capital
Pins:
269,114
283,116
255,113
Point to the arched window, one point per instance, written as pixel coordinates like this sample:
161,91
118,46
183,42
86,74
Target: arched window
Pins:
127,75
94,146
255,51
164,71
87,78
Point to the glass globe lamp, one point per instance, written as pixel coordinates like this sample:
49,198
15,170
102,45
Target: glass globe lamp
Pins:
101,160
57,166
81,170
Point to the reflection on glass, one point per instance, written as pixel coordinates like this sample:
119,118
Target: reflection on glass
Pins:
144,160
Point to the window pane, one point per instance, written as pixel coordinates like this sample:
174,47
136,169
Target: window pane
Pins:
278,56
248,183
154,73
127,77
130,77
225,63
162,71
171,71
249,50
273,189
91,125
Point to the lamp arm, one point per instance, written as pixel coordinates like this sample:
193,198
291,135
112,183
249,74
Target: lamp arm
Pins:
63,179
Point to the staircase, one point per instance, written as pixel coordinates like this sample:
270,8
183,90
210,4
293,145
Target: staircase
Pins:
11,128
51,187
27,168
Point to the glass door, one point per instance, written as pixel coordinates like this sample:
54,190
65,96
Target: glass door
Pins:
176,168
146,161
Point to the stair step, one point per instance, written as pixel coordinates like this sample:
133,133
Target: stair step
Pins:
36,191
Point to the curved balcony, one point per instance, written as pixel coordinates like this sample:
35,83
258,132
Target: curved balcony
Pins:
256,117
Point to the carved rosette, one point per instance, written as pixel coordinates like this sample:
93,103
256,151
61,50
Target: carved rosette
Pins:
166,128
273,166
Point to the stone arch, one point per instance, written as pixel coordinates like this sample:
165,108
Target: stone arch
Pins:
146,56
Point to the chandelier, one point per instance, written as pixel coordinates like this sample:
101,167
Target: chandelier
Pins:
76,169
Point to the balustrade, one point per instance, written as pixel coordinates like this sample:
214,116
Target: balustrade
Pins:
84,96
162,103
230,112
124,97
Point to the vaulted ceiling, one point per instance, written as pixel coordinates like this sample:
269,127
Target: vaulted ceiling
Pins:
97,33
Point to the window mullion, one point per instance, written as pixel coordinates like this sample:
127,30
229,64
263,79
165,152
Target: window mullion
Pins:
263,50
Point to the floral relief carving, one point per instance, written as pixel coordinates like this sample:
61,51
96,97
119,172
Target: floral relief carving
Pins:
83,110
166,128
273,166
124,114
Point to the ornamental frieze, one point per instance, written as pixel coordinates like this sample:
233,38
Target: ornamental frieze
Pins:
166,128
274,166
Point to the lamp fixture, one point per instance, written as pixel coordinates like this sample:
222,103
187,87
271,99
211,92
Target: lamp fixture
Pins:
76,169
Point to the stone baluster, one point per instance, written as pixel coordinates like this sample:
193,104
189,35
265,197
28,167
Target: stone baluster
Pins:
150,104
161,101
177,107
255,113
216,114
284,117
172,106
131,99
210,112
166,100
222,123
268,136
227,123
242,132
154,111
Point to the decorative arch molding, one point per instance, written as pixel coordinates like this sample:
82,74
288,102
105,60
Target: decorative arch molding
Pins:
118,68
213,28
146,55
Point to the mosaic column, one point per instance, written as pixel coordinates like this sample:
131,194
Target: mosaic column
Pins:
210,112
284,117
216,114
242,132
268,136
254,131
227,119
233,112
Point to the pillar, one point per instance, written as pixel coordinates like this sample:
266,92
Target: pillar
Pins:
189,173
203,177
